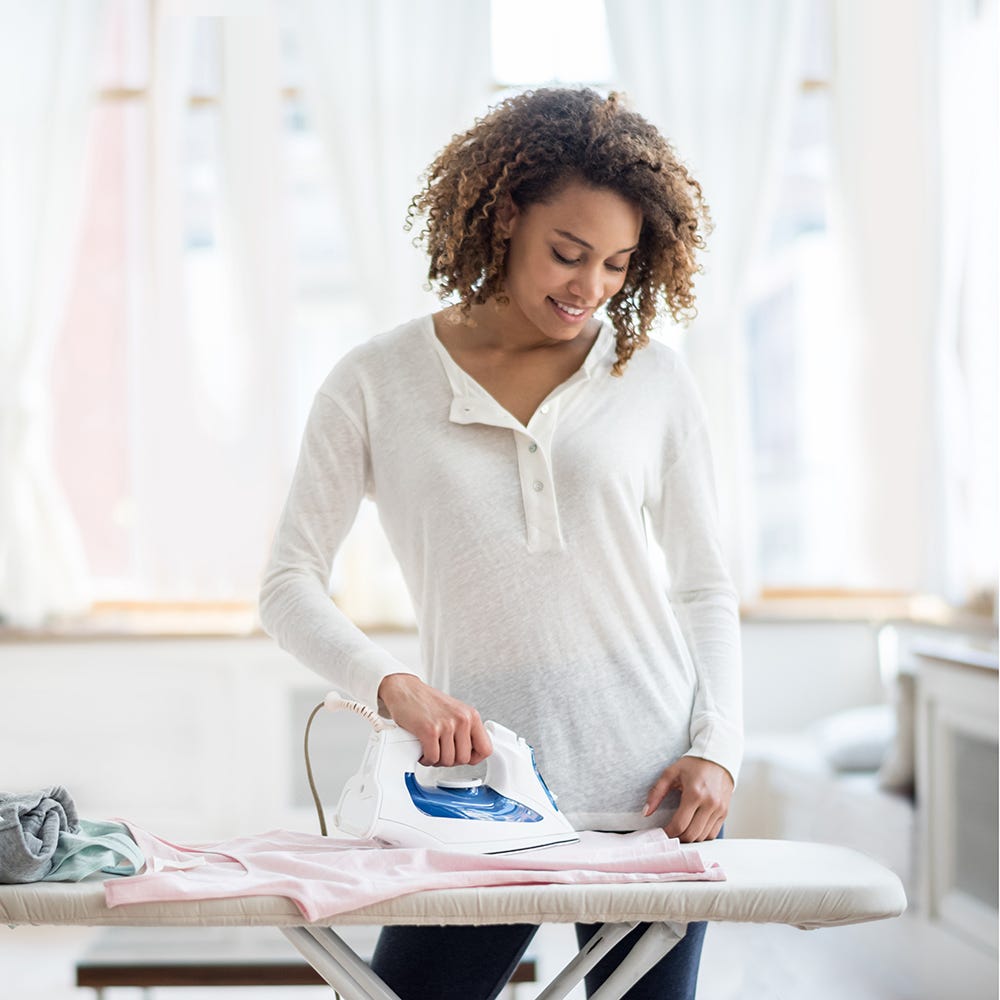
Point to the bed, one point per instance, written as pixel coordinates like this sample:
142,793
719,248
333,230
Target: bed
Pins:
806,885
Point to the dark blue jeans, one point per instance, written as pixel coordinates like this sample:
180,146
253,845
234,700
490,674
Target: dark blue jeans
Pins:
474,963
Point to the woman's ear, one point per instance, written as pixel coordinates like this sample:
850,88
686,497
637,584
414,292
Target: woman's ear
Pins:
506,216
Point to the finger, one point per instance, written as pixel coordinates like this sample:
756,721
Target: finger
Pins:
482,745
714,816
701,826
446,746
682,818
430,744
431,753
678,827
720,821
660,788
463,745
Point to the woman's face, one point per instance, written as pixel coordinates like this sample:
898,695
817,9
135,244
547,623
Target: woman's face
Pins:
568,256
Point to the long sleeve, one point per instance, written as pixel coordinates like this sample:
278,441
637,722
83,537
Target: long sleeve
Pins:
684,517
332,476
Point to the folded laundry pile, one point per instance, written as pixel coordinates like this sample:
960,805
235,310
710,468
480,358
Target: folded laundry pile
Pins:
43,839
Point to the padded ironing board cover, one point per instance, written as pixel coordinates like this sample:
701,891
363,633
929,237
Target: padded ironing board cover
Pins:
768,881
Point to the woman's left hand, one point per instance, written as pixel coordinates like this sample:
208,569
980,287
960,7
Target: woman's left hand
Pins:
706,788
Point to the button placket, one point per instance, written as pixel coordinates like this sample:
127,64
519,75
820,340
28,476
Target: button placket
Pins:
537,485
471,404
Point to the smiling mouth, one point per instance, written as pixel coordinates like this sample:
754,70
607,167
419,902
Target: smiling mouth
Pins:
568,311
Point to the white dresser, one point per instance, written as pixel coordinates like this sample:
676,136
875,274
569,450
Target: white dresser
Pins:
957,784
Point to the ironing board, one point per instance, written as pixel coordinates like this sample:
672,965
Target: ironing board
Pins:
803,884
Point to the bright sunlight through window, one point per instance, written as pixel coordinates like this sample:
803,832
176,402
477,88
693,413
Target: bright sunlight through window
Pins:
567,42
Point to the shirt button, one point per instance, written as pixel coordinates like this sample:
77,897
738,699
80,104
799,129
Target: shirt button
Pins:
537,486
544,407
532,448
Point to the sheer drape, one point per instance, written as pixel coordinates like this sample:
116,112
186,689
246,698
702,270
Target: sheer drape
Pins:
964,563
915,176
211,355
388,82
719,80
47,86
884,219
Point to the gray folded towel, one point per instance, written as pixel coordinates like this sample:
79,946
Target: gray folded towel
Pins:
30,824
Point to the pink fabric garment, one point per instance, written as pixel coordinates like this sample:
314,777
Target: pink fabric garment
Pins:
325,876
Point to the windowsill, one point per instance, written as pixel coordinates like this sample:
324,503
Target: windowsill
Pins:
228,620
152,620
145,621
875,607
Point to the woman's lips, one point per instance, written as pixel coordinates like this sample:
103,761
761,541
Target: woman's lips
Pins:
563,310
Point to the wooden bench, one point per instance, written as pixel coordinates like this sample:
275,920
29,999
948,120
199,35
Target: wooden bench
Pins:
147,957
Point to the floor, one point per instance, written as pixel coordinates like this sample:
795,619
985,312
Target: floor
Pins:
740,962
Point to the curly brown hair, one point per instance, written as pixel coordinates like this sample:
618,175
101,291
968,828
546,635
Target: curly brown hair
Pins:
528,148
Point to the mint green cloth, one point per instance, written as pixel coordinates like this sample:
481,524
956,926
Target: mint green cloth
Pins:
94,846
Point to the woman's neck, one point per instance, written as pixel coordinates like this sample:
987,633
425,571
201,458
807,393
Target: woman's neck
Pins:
503,329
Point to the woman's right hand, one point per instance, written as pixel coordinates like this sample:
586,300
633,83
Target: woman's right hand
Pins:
450,732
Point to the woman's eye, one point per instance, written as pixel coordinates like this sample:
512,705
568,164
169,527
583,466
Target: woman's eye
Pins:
563,260
566,260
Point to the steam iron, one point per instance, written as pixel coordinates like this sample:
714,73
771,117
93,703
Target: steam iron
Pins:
510,810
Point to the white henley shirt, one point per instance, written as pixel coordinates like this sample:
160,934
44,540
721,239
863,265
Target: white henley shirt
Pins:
524,549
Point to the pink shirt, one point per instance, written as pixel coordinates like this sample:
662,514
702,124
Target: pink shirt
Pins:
326,876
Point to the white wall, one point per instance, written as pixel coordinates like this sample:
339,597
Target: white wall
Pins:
201,738
187,737
797,672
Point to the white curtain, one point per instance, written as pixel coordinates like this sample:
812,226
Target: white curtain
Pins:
47,88
963,562
211,355
915,176
159,350
719,80
256,242
388,82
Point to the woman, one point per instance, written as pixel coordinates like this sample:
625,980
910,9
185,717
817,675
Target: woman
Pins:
521,451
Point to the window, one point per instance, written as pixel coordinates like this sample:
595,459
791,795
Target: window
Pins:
110,375
105,365
796,353
567,42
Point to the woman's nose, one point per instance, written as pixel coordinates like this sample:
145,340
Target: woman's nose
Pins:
588,285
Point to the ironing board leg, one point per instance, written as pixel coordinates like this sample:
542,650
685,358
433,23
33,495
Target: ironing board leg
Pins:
354,980
645,953
338,964
589,955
